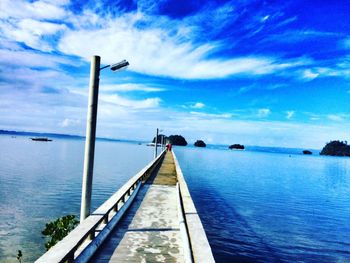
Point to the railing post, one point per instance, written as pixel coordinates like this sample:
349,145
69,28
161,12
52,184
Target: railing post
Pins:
90,138
70,258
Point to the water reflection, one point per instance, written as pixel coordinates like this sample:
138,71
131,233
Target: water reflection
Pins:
40,181
265,207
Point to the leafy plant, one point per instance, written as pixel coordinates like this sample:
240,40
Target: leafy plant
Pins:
58,229
19,256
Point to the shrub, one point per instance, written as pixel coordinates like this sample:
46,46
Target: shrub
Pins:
58,229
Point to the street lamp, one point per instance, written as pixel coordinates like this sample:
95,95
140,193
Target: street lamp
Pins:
156,144
91,131
117,66
161,140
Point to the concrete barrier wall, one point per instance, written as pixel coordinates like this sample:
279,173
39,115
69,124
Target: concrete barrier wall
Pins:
201,250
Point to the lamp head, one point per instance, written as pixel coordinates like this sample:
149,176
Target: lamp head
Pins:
119,65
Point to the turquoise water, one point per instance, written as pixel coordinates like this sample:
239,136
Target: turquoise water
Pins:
255,206
269,207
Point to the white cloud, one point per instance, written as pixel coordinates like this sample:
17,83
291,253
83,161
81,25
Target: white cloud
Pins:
128,87
30,107
33,23
263,19
315,118
161,47
211,115
36,9
334,117
341,69
157,51
198,105
33,33
290,114
9,45
69,122
344,62
40,28
309,74
134,104
262,113
119,117
29,58
246,89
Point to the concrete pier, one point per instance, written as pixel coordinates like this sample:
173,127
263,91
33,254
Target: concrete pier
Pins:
152,218
150,231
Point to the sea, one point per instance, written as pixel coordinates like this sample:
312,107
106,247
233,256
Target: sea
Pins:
258,205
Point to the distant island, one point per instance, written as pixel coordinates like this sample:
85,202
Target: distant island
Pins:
177,140
336,148
41,134
41,139
59,135
173,139
307,152
200,143
236,146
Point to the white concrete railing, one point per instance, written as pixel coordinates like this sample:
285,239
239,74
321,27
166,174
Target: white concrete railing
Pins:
201,250
84,240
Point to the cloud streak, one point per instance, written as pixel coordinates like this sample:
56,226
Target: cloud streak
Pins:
158,51
130,87
263,113
198,105
154,45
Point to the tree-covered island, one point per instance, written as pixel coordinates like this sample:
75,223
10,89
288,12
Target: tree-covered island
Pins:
236,146
200,143
173,139
336,148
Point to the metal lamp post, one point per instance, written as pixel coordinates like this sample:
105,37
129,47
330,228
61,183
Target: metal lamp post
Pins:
156,144
161,140
91,132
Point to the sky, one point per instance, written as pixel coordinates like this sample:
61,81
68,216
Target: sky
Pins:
267,73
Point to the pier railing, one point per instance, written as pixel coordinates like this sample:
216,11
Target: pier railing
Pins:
83,241
198,242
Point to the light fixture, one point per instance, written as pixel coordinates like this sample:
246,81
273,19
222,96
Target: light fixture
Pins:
117,66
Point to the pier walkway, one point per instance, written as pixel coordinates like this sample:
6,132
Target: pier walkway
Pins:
150,219
150,230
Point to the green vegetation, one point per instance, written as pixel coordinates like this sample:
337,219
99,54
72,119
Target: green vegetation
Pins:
177,140
19,256
58,229
200,143
173,139
336,148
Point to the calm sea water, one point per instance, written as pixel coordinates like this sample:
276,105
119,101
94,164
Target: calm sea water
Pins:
255,206
41,181
268,207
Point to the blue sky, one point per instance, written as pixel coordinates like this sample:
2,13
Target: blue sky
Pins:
269,73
